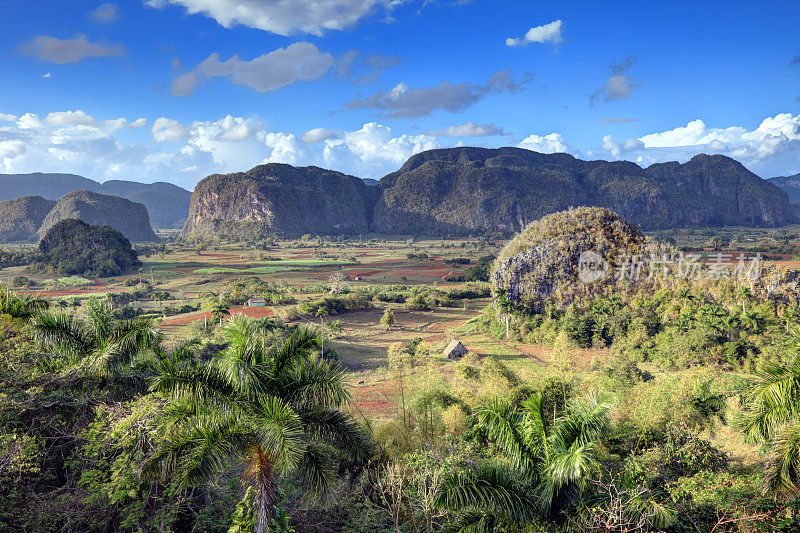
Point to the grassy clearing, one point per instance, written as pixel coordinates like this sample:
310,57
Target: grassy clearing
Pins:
69,281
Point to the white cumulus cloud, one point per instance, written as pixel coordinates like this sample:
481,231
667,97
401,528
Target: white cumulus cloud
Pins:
105,13
772,148
168,130
546,144
320,134
539,34
60,118
283,17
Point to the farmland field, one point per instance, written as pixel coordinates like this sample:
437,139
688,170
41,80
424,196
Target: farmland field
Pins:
189,279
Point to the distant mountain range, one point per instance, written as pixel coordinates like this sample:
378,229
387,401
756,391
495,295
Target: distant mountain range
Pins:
790,184
27,218
452,191
167,204
465,190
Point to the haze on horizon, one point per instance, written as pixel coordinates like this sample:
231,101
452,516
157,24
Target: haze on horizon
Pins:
175,90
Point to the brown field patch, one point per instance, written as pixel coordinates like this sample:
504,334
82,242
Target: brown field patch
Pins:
374,401
252,312
363,273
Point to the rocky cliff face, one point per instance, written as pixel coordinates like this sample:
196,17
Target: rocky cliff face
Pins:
467,190
130,218
21,218
278,198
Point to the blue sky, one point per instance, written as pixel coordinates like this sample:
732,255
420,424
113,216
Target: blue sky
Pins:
177,89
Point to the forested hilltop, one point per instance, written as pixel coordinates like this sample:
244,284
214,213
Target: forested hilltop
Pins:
128,217
460,191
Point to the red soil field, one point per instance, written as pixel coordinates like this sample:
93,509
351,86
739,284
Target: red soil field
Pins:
252,312
373,400
363,273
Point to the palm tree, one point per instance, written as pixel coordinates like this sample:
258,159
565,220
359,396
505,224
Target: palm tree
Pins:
752,321
685,295
790,315
220,310
713,317
548,463
274,409
772,417
745,294
99,345
21,306
708,406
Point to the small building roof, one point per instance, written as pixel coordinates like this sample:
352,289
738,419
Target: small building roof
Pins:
455,349
256,299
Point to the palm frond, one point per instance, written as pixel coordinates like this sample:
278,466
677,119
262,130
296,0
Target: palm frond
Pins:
315,382
339,429
585,421
99,318
61,329
534,428
299,344
317,469
136,335
472,521
773,402
490,489
782,472
280,430
199,452
238,374
500,420
574,465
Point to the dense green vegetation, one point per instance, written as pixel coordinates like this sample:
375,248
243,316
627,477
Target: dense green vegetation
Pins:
659,405
72,247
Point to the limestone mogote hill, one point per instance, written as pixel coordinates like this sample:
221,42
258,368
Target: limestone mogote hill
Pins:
467,190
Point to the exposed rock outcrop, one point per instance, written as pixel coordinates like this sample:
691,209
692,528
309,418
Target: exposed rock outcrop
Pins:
278,198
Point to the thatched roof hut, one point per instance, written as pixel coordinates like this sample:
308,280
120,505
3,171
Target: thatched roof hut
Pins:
455,350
